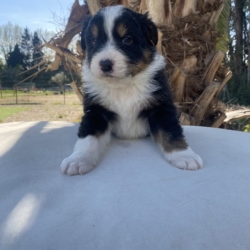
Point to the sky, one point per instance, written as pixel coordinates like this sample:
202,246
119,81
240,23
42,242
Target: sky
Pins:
34,14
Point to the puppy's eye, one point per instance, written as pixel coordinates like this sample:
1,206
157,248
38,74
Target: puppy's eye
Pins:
127,40
93,42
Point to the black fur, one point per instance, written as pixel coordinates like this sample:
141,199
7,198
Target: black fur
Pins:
139,31
148,28
87,36
85,24
142,30
161,114
95,121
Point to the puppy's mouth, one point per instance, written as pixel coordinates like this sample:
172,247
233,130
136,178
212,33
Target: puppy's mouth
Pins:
108,75
111,75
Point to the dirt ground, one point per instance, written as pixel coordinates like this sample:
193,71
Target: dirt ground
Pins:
45,108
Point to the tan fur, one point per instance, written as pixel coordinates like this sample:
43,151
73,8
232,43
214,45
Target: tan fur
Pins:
147,55
122,30
95,31
168,145
134,69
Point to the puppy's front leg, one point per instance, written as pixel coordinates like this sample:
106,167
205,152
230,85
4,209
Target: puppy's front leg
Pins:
167,132
86,154
94,136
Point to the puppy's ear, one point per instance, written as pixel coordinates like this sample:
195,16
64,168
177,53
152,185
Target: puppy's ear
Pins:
149,29
85,24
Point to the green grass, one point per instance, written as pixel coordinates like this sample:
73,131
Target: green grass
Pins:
247,128
6,112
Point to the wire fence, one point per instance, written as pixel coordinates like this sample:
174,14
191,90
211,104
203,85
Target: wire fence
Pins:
28,94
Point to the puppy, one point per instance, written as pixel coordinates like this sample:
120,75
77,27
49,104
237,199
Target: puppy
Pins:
125,91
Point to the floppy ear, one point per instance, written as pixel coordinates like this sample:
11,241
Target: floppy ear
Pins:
85,24
149,29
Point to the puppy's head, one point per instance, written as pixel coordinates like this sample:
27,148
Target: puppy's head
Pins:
118,42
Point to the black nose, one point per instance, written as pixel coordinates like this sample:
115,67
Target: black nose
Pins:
106,65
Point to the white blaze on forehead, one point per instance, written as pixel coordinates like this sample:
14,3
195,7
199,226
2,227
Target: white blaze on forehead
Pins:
110,14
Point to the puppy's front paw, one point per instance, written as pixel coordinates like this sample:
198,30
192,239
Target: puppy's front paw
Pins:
76,164
185,159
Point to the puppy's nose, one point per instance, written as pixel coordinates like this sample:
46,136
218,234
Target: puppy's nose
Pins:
106,65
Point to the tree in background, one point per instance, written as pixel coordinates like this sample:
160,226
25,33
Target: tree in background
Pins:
1,64
15,57
10,72
239,45
9,76
46,35
60,78
20,50
238,55
37,59
37,55
10,35
1,71
247,25
26,48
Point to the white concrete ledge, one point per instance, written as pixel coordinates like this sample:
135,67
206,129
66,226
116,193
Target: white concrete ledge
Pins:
134,199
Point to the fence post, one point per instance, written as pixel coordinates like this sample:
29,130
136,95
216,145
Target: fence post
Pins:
28,91
16,94
64,90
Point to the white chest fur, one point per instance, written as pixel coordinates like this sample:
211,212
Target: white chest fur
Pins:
125,96
127,102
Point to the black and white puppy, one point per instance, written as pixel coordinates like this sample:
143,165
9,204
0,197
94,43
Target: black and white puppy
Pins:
125,91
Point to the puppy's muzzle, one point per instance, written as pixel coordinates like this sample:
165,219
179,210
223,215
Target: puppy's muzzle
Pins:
106,66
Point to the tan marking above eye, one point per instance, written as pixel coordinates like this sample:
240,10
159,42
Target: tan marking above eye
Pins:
122,30
95,31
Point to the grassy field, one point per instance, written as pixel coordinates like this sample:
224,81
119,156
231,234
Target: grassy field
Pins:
6,112
40,107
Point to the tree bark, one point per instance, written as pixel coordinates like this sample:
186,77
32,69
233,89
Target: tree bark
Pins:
183,8
179,76
77,91
156,11
217,123
94,6
223,83
203,102
212,68
236,115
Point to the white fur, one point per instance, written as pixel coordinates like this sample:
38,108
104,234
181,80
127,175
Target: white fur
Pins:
125,96
110,14
86,154
116,57
185,159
